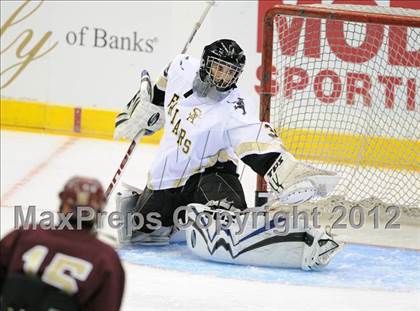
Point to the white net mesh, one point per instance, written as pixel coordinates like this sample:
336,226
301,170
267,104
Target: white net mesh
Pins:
346,98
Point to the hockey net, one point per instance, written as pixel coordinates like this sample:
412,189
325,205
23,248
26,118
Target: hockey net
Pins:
340,84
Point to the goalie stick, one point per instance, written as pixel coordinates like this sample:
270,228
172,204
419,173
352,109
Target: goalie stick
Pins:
133,144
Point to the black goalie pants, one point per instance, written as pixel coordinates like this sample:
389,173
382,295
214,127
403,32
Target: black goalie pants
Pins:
214,184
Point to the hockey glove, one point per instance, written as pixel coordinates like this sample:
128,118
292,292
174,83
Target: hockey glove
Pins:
295,182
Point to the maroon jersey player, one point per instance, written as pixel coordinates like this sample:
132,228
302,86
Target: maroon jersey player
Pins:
62,269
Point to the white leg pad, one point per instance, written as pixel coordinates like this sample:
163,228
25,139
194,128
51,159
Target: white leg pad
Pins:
125,204
308,249
318,255
160,236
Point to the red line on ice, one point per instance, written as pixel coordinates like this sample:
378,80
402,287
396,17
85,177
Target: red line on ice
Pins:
37,169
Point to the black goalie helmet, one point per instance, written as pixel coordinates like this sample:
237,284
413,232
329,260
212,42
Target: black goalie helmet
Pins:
222,63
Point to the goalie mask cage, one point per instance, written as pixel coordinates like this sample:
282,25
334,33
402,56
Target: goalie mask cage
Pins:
340,85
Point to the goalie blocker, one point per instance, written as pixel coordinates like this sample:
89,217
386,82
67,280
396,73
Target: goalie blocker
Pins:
140,113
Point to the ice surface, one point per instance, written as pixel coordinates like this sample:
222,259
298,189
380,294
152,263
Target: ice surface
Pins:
35,166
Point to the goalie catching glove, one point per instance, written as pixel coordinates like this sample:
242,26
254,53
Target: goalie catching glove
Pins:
140,114
295,182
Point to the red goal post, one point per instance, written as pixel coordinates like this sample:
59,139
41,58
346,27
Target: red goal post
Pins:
406,140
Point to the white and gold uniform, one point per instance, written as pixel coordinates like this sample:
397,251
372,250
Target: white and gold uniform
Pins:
209,125
201,131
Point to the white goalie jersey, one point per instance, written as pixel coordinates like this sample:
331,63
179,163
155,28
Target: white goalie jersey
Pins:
200,131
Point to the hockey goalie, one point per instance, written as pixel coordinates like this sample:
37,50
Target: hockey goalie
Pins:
209,126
